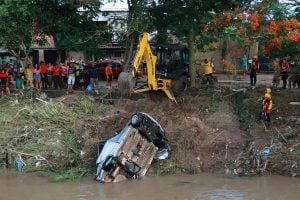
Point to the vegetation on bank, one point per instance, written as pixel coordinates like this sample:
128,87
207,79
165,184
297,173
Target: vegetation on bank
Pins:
60,138
51,130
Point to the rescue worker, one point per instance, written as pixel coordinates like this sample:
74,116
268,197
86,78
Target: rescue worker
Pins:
267,109
208,70
267,91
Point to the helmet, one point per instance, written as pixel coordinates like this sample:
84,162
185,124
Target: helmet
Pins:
268,96
268,90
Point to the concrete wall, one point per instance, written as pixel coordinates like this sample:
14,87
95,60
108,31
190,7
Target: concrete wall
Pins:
77,55
229,51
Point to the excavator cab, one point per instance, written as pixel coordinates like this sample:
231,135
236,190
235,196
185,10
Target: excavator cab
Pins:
171,60
158,78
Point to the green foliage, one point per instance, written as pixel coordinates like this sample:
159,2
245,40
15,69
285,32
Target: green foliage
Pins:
179,17
86,105
165,167
241,104
139,17
16,25
71,174
71,29
288,48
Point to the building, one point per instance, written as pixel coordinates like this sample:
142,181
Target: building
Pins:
113,13
6,57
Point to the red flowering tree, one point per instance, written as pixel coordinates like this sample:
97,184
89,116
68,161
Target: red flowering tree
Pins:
260,24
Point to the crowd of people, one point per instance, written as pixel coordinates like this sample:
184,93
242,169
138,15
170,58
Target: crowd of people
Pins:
45,76
284,70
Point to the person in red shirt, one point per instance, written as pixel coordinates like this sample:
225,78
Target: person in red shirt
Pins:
284,71
44,70
109,75
56,72
4,82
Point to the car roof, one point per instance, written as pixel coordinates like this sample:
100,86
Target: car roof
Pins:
108,61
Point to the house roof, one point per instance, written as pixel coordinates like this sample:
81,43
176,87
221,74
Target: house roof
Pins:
118,5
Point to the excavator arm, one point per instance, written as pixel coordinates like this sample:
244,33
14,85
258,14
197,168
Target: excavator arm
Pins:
153,84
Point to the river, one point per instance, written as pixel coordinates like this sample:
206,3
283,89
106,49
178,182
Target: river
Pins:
14,186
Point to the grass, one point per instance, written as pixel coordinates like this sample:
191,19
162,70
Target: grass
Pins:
244,106
165,167
50,130
71,174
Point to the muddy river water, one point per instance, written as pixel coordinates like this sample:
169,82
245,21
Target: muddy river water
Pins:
15,186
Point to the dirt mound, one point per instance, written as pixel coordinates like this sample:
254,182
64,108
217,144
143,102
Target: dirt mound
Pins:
196,143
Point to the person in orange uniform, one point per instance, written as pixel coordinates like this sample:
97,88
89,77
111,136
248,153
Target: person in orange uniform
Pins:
44,77
4,82
109,75
267,108
56,71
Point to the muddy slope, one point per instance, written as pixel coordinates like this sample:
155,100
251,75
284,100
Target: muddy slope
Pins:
207,131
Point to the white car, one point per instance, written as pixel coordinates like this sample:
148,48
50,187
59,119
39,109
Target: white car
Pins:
130,152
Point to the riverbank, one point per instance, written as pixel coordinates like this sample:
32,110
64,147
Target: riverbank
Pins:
210,130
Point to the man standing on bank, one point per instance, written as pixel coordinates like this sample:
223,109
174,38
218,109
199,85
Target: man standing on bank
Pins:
253,69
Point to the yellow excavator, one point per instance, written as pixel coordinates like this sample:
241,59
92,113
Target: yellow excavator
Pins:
127,80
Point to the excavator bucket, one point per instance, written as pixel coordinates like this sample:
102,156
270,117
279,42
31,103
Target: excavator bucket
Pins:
126,83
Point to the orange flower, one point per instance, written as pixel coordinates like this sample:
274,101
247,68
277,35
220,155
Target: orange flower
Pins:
295,23
275,42
255,22
294,36
273,27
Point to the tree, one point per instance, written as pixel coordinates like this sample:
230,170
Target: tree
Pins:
25,22
71,23
182,18
138,21
267,22
16,27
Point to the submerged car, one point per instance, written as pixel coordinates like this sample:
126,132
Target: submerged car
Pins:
129,154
